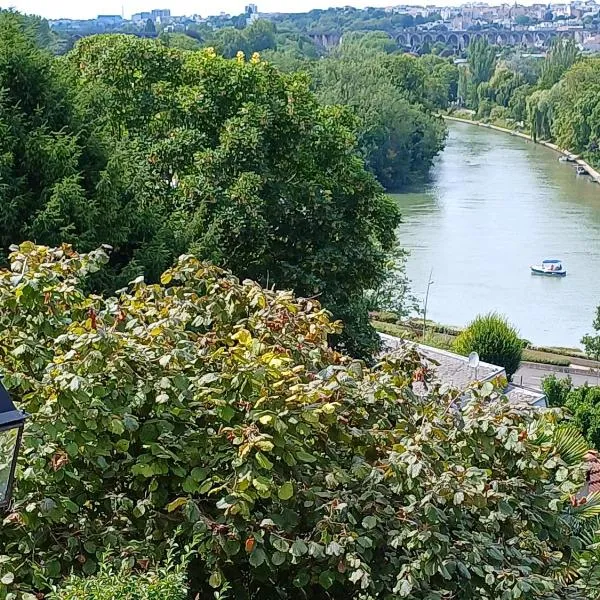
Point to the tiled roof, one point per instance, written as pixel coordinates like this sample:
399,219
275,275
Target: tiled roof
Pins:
454,370
448,367
517,394
593,477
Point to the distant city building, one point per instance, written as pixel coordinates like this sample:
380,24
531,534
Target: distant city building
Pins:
141,17
162,13
111,20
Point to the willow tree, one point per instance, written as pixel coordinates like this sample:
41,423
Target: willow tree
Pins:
560,57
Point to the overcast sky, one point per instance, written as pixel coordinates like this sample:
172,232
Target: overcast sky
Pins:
85,9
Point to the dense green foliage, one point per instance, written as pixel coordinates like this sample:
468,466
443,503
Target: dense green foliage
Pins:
584,405
556,100
258,36
392,95
399,136
582,402
556,389
591,342
349,19
494,339
211,408
156,151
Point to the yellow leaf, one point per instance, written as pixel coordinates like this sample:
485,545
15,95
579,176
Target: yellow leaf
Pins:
243,337
176,504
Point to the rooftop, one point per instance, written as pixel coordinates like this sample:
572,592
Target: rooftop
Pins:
593,480
454,370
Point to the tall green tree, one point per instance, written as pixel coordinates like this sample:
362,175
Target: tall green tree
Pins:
253,172
482,60
398,137
560,57
591,342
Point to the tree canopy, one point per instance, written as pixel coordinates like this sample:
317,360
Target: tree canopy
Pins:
156,151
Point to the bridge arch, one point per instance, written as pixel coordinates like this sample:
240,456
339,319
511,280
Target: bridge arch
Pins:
440,37
465,40
527,39
403,39
501,39
415,40
453,40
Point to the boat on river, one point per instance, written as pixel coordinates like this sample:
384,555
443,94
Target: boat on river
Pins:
580,170
550,267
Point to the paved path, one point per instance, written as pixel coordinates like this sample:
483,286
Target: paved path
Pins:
532,376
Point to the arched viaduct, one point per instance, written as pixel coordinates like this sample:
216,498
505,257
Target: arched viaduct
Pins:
415,38
461,39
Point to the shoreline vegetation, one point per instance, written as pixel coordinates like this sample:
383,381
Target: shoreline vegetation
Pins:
442,336
593,173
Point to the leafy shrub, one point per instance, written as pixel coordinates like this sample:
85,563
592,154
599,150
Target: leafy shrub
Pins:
556,389
384,317
494,340
162,585
215,408
584,403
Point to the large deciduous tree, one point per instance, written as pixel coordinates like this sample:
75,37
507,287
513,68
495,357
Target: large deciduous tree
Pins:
252,172
398,136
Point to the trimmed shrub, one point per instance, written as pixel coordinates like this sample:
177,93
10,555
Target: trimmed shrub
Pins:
161,585
494,339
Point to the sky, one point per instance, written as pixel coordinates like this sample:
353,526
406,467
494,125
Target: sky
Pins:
87,9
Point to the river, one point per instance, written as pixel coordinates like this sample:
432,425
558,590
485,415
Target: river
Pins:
495,205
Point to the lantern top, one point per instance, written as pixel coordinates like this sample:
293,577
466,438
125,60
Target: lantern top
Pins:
9,415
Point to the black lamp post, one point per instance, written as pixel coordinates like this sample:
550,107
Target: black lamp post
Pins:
11,432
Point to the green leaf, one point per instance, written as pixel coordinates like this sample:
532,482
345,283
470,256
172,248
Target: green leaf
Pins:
305,457
278,558
226,413
286,491
301,580
7,578
257,557
173,506
326,579
215,579
279,543
263,461
369,522
299,548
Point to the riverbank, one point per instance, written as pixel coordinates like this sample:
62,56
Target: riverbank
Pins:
566,360
594,175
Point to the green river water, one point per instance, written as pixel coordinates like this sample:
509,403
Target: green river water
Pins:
495,205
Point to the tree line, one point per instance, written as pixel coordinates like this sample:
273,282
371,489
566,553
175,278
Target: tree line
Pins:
555,99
